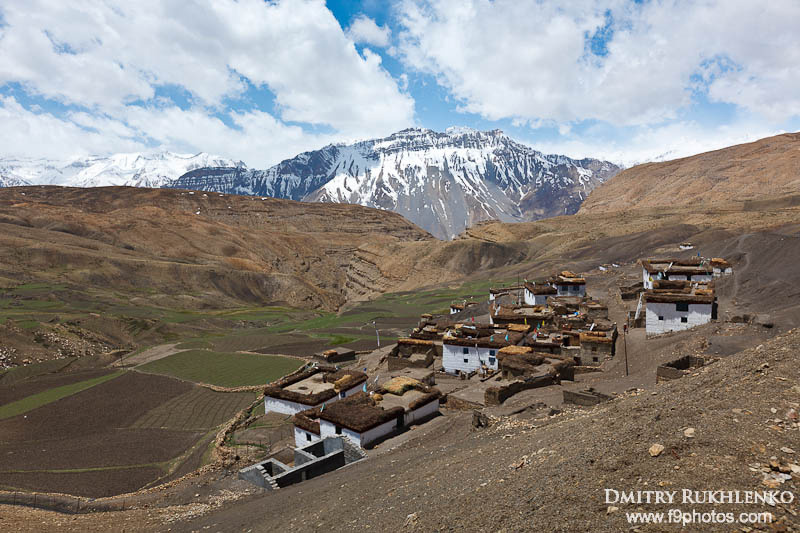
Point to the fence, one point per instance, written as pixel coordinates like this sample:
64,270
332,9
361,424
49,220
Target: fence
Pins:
62,503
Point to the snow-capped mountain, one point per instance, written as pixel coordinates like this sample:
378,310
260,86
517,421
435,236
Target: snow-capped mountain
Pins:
443,182
134,169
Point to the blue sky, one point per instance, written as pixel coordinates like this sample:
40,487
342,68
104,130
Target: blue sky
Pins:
260,81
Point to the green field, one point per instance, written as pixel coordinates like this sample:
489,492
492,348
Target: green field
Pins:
224,369
43,398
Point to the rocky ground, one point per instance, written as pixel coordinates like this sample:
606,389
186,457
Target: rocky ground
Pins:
730,426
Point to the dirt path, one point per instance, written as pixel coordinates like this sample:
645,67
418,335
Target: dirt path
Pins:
151,354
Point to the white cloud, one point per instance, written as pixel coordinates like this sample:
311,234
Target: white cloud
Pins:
365,30
525,59
658,143
254,137
111,58
41,135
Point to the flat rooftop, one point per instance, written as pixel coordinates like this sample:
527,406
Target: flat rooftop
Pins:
310,385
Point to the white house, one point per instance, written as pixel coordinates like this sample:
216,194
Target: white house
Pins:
311,388
677,311
366,418
569,284
467,354
537,294
691,269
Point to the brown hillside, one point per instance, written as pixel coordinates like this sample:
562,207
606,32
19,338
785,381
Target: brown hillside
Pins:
766,168
206,245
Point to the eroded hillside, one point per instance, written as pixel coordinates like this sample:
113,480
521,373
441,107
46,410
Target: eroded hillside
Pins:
766,168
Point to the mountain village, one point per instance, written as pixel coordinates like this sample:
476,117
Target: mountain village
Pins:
524,336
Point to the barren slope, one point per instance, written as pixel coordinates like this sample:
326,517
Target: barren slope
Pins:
766,168
216,248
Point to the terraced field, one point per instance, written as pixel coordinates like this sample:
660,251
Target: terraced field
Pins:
197,409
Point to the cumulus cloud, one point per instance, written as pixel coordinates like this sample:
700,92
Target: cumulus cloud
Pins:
658,143
114,62
365,30
616,61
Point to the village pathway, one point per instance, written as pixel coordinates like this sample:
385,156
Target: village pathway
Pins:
151,354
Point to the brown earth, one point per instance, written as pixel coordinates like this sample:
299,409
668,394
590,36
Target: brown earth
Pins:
767,168
17,391
129,429
528,473
239,248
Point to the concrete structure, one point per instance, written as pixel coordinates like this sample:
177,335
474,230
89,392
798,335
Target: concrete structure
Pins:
586,397
679,367
311,387
412,353
336,355
537,294
310,460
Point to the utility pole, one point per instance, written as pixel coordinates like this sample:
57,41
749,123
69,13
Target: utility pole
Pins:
625,345
377,336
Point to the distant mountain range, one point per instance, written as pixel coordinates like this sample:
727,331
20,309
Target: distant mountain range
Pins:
135,169
443,182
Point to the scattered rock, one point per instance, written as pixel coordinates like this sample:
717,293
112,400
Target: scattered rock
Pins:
788,450
688,433
612,509
656,450
479,420
411,520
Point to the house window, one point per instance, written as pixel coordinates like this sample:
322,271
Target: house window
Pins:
465,351
661,318
492,353
492,360
338,430
682,306
595,359
308,437
684,319
594,348
466,360
341,394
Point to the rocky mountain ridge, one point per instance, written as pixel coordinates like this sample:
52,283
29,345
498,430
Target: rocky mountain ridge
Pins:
443,182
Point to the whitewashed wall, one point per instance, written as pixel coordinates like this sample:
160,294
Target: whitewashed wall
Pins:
534,299
646,279
698,314
277,405
328,429
371,435
300,437
453,358
421,412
